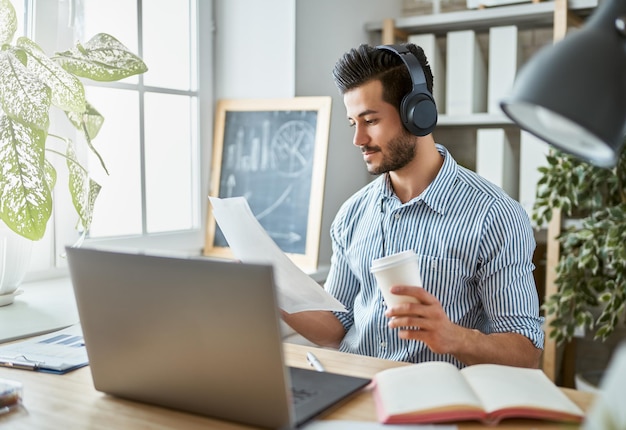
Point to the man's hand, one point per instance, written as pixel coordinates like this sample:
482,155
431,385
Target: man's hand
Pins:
427,322
424,321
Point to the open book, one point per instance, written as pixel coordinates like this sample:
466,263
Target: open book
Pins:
439,392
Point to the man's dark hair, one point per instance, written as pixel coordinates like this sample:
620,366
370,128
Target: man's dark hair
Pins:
365,63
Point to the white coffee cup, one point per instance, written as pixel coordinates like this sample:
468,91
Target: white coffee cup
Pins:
397,269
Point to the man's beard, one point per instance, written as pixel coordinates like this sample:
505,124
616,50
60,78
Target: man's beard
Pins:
399,152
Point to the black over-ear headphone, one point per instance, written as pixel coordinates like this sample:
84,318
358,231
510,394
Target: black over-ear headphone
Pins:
417,109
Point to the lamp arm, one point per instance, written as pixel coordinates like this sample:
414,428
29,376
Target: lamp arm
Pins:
606,13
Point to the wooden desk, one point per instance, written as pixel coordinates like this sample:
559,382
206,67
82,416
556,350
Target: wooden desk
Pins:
70,402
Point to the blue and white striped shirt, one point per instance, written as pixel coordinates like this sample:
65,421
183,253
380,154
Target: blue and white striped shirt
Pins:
475,245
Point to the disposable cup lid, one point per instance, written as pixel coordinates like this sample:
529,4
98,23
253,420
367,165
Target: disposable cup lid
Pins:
392,260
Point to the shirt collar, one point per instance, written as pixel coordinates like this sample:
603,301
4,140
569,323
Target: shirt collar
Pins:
436,194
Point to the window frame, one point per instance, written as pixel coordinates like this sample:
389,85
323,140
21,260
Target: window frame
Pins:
48,254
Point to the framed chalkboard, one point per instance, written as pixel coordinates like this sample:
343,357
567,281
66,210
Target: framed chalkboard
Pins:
273,152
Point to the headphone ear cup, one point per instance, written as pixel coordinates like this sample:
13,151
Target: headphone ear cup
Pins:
417,109
418,113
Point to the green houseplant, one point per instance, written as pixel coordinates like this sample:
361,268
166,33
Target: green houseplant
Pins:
31,83
591,272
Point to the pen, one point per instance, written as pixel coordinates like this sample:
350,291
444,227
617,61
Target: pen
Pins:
313,361
18,365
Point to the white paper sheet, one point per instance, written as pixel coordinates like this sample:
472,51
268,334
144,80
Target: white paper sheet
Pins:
56,352
250,243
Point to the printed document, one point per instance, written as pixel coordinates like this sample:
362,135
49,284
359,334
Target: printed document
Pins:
250,243
56,352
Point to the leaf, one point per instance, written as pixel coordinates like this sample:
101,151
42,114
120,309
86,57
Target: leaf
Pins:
8,21
103,58
68,92
25,198
83,189
50,174
23,96
603,332
89,123
617,212
90,118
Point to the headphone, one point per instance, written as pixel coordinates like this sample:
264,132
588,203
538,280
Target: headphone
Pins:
417,108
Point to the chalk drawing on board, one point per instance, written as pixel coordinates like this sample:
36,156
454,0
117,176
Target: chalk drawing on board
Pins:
273,156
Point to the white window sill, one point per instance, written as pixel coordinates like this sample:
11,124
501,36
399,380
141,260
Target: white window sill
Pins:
43,306
48,305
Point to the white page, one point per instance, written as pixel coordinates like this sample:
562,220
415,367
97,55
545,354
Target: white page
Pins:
500,387
367,425
424,386
250,243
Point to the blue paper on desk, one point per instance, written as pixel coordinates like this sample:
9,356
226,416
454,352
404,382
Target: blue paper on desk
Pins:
57,352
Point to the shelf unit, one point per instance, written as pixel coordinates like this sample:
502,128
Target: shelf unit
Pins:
482,119
528,15
558,15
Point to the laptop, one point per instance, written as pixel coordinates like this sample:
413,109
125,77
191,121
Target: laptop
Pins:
194,334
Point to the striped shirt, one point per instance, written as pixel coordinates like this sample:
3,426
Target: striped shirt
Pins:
475,246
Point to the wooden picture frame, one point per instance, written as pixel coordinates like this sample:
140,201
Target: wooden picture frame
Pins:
273,152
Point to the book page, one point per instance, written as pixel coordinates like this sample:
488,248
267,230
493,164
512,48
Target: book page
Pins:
433,386
502,387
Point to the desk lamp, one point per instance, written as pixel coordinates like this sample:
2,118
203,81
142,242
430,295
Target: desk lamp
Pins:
573,94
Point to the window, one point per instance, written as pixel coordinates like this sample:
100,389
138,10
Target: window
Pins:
151,140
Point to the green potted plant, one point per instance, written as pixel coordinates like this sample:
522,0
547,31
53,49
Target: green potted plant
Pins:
31,83
591,272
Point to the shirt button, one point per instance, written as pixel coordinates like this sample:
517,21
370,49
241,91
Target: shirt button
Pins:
383,344
397,216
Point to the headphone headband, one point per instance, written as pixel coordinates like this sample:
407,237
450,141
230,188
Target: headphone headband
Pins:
411,62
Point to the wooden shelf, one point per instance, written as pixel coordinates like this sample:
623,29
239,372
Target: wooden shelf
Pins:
474,120
522,15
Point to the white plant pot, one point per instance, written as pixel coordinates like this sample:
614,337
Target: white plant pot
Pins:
15,254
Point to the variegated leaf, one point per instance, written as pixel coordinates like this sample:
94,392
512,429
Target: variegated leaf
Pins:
90,117
89,123
103,58
23,96
8,21
68,92
83,189
25,198
50,174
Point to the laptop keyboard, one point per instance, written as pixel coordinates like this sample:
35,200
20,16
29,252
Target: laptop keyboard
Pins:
300,395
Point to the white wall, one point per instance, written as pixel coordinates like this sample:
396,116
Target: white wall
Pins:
325,29
286,48
254,48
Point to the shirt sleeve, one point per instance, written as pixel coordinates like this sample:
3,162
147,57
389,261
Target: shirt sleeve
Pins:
341,282
507,286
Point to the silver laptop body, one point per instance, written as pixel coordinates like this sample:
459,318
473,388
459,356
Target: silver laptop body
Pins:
193,334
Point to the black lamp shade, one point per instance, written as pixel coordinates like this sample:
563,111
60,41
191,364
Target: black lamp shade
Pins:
573,94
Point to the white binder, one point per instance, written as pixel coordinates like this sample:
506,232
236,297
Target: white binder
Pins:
496,160
466,74
533,153
504,59
428,42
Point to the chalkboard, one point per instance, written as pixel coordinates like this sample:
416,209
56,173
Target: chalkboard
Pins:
273,152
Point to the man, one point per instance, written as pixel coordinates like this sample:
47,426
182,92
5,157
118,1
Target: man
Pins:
479,302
